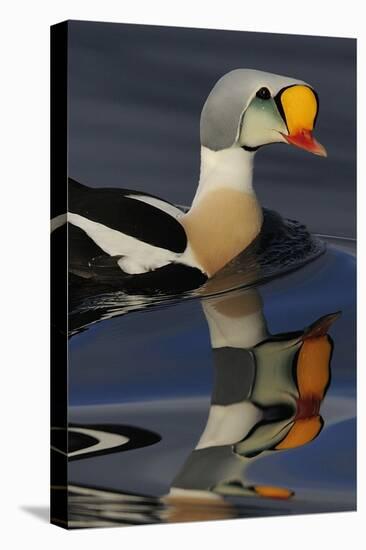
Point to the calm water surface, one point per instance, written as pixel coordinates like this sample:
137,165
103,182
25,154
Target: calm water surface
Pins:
157,371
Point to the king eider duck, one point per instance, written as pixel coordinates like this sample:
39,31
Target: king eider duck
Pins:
155,245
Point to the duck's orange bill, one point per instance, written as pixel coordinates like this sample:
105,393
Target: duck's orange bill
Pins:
305,140
300,107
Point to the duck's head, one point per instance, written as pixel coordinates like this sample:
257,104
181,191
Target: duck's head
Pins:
250,108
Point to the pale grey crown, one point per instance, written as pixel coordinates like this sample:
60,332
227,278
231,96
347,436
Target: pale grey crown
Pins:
223,110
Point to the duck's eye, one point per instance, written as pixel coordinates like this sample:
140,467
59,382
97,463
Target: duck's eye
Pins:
263,93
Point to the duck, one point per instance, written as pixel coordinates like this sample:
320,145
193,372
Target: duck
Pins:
152,243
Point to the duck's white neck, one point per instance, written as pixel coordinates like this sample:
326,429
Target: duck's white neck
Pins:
230,168
225,216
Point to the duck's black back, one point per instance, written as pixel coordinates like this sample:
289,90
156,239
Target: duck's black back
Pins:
117,209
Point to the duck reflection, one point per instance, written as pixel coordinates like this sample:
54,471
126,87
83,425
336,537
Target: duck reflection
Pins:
266,398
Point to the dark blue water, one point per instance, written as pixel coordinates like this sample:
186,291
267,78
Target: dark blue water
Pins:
154,369
149,364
